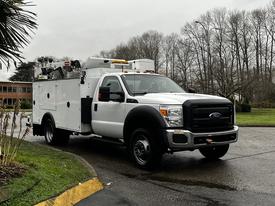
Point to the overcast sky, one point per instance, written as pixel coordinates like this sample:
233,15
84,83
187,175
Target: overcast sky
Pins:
83,28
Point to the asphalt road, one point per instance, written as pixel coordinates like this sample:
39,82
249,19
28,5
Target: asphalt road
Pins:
245,176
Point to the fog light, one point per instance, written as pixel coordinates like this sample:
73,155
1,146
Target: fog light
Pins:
179,138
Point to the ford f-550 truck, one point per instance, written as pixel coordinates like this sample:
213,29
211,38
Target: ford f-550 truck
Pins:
121,101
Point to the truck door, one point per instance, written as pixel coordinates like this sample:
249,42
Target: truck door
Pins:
108,117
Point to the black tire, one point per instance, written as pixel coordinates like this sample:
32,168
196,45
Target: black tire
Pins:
50,132
145,149
53,136
214,152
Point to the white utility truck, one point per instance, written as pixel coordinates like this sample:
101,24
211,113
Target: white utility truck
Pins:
122,101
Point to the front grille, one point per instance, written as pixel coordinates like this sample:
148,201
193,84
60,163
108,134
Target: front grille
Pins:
199,115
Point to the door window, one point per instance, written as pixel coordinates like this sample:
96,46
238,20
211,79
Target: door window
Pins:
114,85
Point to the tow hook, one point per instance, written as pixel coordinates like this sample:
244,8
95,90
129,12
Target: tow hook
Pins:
209,141
169,151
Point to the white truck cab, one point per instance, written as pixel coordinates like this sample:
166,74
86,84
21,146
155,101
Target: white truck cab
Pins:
120,101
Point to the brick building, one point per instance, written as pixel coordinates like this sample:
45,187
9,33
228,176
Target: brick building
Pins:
12,91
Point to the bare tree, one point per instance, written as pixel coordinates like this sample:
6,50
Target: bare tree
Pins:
224,52
170,50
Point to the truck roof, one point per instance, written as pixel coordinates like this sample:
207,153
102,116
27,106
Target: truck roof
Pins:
126,73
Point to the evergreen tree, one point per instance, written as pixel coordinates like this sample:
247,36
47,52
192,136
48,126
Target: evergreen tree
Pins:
24,72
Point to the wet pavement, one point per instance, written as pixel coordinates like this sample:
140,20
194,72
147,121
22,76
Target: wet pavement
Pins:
245,176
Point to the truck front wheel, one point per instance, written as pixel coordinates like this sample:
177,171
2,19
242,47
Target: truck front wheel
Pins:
215,152
145,149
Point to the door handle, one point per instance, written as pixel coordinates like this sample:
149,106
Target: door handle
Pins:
95,107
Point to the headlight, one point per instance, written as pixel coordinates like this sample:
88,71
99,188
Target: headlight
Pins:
172,114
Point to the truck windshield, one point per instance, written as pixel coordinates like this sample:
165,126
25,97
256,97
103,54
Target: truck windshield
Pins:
140,84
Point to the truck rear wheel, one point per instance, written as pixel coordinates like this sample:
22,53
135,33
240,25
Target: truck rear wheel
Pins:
54,136
145,149
49,132
215,152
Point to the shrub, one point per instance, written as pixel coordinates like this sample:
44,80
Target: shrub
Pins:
242,107
9,107
245,108
26,105
264,104
8,145
238,107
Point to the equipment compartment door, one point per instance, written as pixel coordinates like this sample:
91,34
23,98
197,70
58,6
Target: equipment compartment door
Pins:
47,94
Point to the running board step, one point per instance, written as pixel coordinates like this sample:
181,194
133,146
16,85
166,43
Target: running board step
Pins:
108,140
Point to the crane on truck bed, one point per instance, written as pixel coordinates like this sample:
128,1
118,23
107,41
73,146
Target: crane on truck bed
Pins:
68,69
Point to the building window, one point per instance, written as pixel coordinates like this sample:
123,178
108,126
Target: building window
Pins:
9,89
5,89
14,89
10,102
14,101
24,89
1,90
29,89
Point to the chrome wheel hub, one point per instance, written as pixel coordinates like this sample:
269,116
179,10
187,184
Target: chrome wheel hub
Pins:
142,150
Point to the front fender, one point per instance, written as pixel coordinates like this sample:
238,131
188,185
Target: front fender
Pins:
145,117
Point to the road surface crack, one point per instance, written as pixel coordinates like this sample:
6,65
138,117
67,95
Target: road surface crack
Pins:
207,200
253,155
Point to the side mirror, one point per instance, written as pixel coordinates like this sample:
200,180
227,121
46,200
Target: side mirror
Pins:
192,90
104,94
117,96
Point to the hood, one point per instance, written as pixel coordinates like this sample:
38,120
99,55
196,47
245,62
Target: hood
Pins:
173,98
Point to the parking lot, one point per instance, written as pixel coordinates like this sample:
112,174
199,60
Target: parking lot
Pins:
245,176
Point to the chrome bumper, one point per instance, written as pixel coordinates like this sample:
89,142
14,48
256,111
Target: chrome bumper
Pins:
190,137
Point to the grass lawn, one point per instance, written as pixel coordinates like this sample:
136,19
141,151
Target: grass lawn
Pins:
258,117
49,172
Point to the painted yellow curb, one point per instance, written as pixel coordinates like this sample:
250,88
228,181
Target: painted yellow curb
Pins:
75,195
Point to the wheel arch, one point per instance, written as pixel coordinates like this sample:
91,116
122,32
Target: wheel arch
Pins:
144,117
47,116
38,129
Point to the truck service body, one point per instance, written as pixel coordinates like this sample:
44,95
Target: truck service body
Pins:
120,101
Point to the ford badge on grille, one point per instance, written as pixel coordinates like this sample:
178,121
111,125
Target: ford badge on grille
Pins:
215,115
